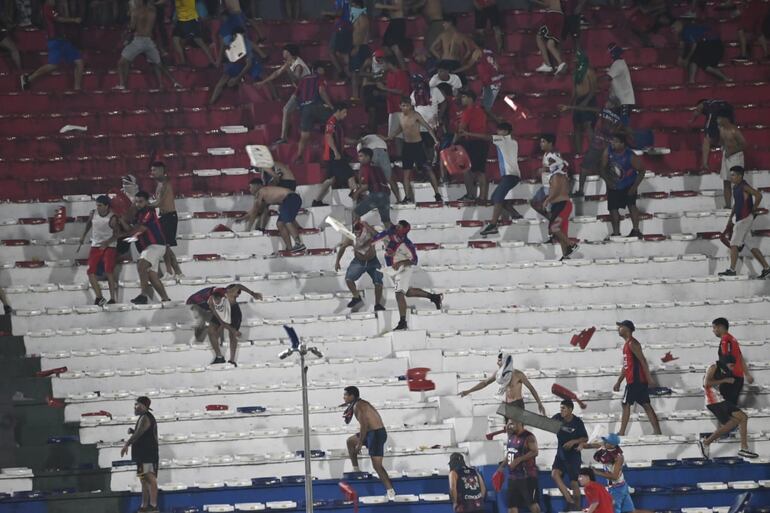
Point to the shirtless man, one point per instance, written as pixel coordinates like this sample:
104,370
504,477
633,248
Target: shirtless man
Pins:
512,393
733,145
364,261
280,175
164,202
584,89
452,47
372,435
142,24
288,202
413,159
558,206
434,18
395,34
548,36
361,51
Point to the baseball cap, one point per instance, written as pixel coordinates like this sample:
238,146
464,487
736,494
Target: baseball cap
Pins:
103,199
612,439
145,401
628,324
379,53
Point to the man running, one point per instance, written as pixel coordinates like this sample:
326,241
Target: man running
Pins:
166,205
374,184
104,240
151,245
566,464
598,499
727,413
733,145
217,310
622,171
638,378
744,211
401,257
413,158
520,454
294,68
728,345
372,435
466,486
144,452
338,171
558,207
364,261
510,390
473,120
289,204
142,24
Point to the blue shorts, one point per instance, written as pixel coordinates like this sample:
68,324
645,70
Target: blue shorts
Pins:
287,211
232,69
621,497
61,50
375,442
358,267
489,95
232,23
507,183
569,463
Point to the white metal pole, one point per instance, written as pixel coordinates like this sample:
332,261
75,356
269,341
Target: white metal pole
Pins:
306,432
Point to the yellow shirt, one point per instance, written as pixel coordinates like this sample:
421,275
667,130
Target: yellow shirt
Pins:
185,10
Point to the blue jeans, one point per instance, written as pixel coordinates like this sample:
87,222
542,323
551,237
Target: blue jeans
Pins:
358,267
507,183
621,497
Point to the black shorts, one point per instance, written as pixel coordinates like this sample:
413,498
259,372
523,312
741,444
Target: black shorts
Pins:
477,152
373,100
340,170
638,393
288,184
395,34
375,442
413,156
489,14
358,57
342,40
708,54
312,115
571,26
168,224
448,64
723,411
235,317
522,493
568,463
580,117
187,29
619,198
731,391
147,468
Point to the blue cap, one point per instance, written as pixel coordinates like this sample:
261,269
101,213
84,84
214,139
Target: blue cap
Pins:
628,324
612,439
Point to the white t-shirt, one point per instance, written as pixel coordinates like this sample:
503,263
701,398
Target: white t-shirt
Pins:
507,154
298,68
453,81
373,142
429,112
621,87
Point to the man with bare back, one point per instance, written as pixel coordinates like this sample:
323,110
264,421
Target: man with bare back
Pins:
452,47
511,392
288,202
166,205
372,435
733,145
142,23
413,158
361,51
395,35
434,18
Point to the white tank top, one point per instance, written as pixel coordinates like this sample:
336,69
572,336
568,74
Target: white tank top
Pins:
101,230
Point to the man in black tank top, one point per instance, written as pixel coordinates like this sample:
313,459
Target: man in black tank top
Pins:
466,486
144,451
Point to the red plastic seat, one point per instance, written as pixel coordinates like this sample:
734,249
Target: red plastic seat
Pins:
207,257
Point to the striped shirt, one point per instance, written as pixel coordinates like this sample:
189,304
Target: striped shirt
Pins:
153,234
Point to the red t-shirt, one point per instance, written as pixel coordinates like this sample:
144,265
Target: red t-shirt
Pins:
396,79
49,22
333,128
729,345
374,178
488,70
595,492
474,119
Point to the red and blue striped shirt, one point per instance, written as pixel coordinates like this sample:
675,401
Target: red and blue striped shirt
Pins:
153,234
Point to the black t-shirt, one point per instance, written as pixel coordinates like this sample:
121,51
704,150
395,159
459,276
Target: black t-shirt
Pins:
145,448
579,430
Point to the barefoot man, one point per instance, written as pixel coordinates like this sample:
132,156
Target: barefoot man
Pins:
288,202
733,144
511,381
372,435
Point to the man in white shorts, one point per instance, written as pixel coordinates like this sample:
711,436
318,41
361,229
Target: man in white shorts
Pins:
733,144
147,233
746,201
401,257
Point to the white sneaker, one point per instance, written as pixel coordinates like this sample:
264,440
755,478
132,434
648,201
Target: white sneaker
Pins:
391,493
561,68
544,68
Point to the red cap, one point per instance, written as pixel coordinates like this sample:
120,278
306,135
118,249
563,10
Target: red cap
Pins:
379,53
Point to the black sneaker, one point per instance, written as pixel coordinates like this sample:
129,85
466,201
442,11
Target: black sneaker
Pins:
406,201
491,229
379,308
100,301
24,82
436,299
231,362
704,449
745,453
111,302
141,299
280,140
635,233
298,248
764,274
7,309
218,360
570,250
356,301
400,326
728,272
438,198
317,203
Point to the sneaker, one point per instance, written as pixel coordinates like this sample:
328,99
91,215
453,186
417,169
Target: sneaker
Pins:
141,299
437,299
232,362
491,229
745,453
7,309
379,308
218,360
560,68
317,203
544,68
100,301
728,272
111,302
764,274
298,248
24,82
438,198
570,250
406,201
356,301
704,449
467,197
635,233
400,326
391,493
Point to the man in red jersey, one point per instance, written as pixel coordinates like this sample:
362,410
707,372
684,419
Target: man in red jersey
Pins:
473,120
729,345
338,170
636,372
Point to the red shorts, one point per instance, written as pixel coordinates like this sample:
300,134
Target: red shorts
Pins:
559,218
552,26
105,256
752,17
